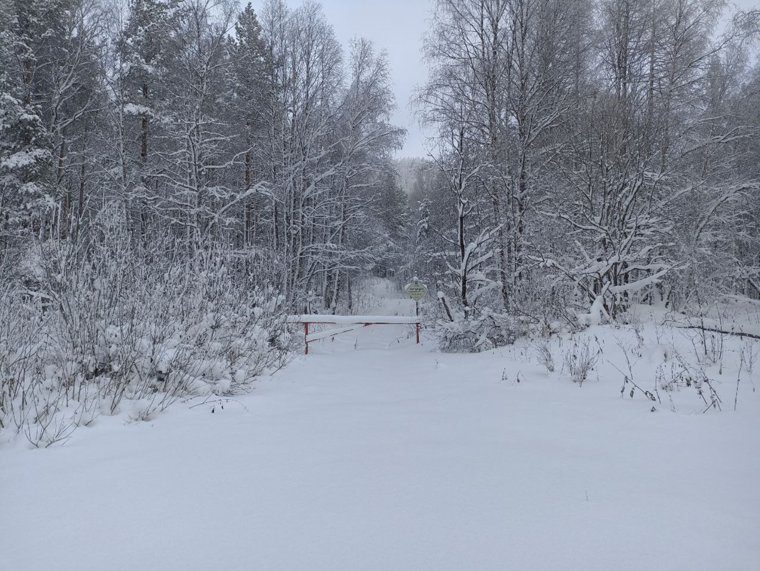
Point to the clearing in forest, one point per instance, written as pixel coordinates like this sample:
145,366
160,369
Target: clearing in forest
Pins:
375,453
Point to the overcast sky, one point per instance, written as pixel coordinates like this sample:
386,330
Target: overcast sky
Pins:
397,26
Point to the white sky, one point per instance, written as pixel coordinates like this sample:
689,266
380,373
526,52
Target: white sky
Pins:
397,26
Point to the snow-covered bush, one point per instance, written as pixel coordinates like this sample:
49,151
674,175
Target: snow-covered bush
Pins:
549,304
486,331
112,330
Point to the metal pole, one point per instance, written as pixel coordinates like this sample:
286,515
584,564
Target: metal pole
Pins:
306,337
417,313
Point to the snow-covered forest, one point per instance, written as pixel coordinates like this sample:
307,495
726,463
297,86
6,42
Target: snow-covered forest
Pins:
174,177
590,154
179,165
181,181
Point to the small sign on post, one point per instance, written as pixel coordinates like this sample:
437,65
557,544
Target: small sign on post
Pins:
416,290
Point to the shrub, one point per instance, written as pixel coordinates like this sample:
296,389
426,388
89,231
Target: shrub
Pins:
581,359
481,333
83,332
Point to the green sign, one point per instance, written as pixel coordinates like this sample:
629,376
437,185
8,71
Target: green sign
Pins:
416,290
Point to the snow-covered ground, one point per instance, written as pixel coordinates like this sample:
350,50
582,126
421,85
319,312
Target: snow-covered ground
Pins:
375,453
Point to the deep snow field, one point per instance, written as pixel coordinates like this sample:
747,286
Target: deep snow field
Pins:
372,453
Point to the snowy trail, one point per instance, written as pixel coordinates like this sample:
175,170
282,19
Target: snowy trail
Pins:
373,453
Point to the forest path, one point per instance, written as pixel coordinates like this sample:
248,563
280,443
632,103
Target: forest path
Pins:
373,453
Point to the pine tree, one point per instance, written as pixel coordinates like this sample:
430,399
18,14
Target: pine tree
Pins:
248,105
144,56
25,157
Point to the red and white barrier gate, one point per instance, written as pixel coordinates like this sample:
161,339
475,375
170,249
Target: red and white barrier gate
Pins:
349,323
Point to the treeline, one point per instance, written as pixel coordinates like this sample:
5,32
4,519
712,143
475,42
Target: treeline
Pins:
590,153
192,125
